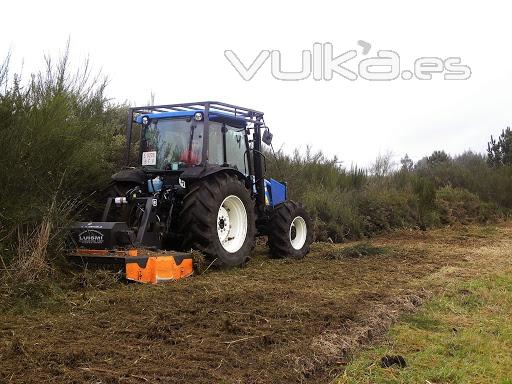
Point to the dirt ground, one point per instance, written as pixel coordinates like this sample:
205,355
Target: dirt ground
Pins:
274,321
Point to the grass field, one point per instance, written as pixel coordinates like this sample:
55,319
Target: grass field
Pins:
464,335
446,295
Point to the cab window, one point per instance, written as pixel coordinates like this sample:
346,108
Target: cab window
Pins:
236,148
215,151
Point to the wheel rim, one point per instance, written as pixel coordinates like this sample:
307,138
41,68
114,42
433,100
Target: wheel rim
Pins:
232,223
298,232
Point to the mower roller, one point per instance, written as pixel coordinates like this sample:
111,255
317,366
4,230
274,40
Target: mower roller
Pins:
198,183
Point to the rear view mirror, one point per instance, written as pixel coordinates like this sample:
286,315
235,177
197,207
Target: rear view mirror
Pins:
267,137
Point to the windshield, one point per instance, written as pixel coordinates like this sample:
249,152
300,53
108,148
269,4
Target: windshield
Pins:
171,143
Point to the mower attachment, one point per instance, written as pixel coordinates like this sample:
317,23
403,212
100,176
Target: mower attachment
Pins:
141,265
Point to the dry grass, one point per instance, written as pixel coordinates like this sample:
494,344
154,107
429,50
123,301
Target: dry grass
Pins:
37,250
95,279
26,278
31,261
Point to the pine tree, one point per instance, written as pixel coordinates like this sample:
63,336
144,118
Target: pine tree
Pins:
499,152
438,157
407,163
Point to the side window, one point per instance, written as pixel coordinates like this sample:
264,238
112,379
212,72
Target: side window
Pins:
215,152
236,154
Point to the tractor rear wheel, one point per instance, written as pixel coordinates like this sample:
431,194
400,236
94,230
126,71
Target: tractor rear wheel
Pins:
291,231
217,219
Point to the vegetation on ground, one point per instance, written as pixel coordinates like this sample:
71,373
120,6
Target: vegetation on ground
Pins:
273,321
61,140
462,336
356,203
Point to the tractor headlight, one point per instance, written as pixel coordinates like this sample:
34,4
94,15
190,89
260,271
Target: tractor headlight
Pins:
198,116
145,120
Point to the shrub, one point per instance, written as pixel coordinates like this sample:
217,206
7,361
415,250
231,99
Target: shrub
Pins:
385,209
335,213
62,140
460,205
351,204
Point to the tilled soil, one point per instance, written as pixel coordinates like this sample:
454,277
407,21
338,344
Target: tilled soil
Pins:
274,321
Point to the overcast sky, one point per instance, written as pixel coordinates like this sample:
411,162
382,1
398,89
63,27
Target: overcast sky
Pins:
176,50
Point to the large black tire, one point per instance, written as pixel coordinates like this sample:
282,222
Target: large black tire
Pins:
281,239
198,218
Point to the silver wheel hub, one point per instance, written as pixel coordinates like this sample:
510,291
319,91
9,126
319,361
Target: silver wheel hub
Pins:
232,223
223,224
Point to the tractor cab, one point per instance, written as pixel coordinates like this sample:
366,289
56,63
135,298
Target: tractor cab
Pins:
171,141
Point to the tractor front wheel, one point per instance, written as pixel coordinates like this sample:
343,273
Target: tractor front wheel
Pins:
291,231
217,219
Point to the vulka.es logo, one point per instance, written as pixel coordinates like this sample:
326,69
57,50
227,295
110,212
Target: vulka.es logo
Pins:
321,63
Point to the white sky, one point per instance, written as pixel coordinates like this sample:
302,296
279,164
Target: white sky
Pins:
176,50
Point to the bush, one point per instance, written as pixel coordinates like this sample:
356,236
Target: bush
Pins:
386,209
62,140
460,205
335,213
353,204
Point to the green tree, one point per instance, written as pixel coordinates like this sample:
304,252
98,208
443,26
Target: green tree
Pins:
407,163
499,152
438,157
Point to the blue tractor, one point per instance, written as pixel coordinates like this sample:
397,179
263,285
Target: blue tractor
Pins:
198,183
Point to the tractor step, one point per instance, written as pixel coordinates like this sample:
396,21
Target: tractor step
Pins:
141,265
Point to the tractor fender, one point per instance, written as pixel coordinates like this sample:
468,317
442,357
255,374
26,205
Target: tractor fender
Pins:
134,175
193,174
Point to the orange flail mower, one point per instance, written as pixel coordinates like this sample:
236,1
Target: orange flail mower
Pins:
141,265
